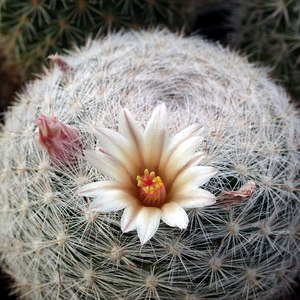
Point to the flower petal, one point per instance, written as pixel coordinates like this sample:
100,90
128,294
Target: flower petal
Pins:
191,178
187,133
112,200
132,132
174,215
180,157
194,199
191,131
128,220
95,188
155,137
147,222
195,160
109,166
117,146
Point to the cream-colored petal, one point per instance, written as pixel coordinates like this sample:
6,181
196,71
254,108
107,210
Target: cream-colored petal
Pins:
194,130
112,200
109,166
132,132
195,160
155,137
191,179
180,157
117,146
191,131
174,215
95,188
194,199
147,222
128,220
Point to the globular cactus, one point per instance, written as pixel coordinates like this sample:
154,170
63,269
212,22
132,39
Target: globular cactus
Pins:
33,29
269,33
244,246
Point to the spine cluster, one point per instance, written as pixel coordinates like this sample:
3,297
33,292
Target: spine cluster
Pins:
32,30
269,33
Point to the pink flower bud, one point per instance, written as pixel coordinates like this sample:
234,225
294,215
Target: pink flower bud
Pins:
62,64
61,141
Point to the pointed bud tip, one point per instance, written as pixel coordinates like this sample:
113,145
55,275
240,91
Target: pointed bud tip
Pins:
62,142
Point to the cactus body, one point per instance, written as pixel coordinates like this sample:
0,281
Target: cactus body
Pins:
55,248
33,29
269,33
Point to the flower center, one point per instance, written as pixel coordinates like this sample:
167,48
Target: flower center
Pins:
152,189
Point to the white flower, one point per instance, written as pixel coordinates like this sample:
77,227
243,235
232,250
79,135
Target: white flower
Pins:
154,176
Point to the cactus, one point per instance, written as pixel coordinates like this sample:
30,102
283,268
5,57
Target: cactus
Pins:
33,29
10,78
269,33
245,246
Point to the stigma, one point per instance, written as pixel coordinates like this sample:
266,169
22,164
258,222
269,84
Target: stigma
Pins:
152,189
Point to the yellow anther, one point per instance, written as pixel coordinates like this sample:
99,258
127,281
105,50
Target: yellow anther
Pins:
148,182
152,192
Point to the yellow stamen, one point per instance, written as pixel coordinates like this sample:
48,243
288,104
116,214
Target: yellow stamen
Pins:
152,188
149,183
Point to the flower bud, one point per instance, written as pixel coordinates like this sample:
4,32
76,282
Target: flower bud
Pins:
62,142
62,64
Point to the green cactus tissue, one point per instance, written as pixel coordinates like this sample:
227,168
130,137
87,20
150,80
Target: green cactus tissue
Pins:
148,165
30,30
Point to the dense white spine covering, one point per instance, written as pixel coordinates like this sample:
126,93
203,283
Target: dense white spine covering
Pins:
55,249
